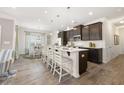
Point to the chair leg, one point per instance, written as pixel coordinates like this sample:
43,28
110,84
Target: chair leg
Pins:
54,69
47,64
60,76
51,67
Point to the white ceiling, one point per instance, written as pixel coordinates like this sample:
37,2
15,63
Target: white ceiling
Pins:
29,16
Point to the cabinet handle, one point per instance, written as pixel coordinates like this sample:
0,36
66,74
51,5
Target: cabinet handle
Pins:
82,55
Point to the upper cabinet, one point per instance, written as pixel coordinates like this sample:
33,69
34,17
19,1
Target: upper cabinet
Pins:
92,32
63,36
59,34
95,31
77,30
85,33
74,33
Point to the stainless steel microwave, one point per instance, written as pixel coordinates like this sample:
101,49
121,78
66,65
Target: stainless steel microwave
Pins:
77,37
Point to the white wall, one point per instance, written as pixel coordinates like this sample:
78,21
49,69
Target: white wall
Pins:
54,37
21,40
121,31
8,33
110,51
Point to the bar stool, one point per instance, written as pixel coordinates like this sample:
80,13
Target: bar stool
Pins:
62,64
50,58
44,54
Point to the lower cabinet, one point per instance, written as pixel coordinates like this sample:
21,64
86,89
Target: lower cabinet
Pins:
83,55
95,56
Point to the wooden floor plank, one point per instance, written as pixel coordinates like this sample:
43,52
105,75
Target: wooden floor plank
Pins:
34,72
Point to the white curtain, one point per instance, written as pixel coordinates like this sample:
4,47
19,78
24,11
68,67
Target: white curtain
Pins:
34,40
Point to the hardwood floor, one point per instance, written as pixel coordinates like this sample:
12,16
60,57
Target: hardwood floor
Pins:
34,72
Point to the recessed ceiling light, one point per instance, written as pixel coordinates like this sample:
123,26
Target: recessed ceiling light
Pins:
90,13
68,28
45,12
122,21
72,21
57,32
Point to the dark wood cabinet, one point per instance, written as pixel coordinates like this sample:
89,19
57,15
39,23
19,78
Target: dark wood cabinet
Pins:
95,31
83,61
77,30
71,34
68,35
74,32
63,36
59,34
85,33
95,56
92,32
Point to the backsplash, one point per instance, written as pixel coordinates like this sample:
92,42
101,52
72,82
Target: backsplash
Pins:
98,43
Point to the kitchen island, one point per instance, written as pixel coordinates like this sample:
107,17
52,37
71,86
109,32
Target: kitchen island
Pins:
79,59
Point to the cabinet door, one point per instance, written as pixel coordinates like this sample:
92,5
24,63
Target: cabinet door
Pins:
59,34
95,31
71,34
95,56
82,62
64,38
68,35
77,30
85,33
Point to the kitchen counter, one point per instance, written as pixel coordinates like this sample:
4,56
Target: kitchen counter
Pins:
73,49
89,47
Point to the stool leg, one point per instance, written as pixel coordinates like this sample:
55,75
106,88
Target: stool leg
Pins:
60,77
51,68
54,69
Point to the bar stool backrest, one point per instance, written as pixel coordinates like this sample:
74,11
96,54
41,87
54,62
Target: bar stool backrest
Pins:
44,50
50,53
58,56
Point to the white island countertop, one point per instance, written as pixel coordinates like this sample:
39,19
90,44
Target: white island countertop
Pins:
73,49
